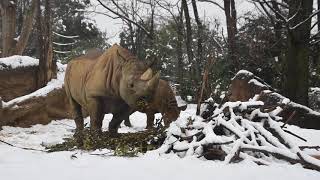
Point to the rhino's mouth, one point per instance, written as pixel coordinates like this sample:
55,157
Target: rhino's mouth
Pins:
141,104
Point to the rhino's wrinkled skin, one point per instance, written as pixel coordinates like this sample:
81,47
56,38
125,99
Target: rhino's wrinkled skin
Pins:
111,82
163,102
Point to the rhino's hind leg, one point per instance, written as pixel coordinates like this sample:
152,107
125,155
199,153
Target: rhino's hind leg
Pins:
96,115
78,118
77,115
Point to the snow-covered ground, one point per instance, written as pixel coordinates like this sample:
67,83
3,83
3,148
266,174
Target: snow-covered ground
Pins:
19,164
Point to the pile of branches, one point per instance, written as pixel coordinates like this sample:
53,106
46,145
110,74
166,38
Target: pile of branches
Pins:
127,144
234,132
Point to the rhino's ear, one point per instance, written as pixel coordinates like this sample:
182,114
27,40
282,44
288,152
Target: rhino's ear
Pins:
152,62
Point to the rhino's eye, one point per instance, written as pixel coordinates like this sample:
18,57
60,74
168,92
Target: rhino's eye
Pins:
131,85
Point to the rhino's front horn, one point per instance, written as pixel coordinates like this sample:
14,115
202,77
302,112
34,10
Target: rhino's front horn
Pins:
146,75
153,83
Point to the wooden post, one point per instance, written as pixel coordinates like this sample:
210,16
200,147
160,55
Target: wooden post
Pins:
204,82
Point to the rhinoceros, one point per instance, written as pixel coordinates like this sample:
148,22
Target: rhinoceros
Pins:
111,82
163,102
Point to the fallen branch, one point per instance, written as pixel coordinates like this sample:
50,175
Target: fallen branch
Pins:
25,148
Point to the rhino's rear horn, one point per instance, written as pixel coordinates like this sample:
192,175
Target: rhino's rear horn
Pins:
147,75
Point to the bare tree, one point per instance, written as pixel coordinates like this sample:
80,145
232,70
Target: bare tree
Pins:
47,65
188,41
179,29
200,53
10,43
231,19
298,26
8,13
26,28
230,11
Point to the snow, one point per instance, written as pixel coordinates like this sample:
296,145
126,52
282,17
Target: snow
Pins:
169,46
16,163
242,71
63,44
65,36
180,101
16,61
88,165
256,82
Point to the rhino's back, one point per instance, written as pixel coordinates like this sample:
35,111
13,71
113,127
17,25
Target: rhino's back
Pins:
75,78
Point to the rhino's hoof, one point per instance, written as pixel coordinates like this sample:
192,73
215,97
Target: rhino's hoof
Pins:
78,136
128,124
114,133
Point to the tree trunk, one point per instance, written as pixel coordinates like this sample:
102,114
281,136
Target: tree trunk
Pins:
26,28
199,41
297,58
179,48
47,65
0,31
318,15
231,19
277,30
205,84
189,30
52,64
8,26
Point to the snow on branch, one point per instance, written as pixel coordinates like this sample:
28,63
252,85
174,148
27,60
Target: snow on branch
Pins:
61,52
64,44
69,37
234,132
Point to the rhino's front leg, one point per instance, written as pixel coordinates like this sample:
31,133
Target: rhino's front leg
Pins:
150,120
127,120
116,121
96,114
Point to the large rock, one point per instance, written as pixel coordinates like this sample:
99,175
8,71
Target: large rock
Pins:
36,110
292,112
17,82
246,85
17,76
21,103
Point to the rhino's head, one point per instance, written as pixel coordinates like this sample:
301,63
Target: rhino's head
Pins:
138,84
